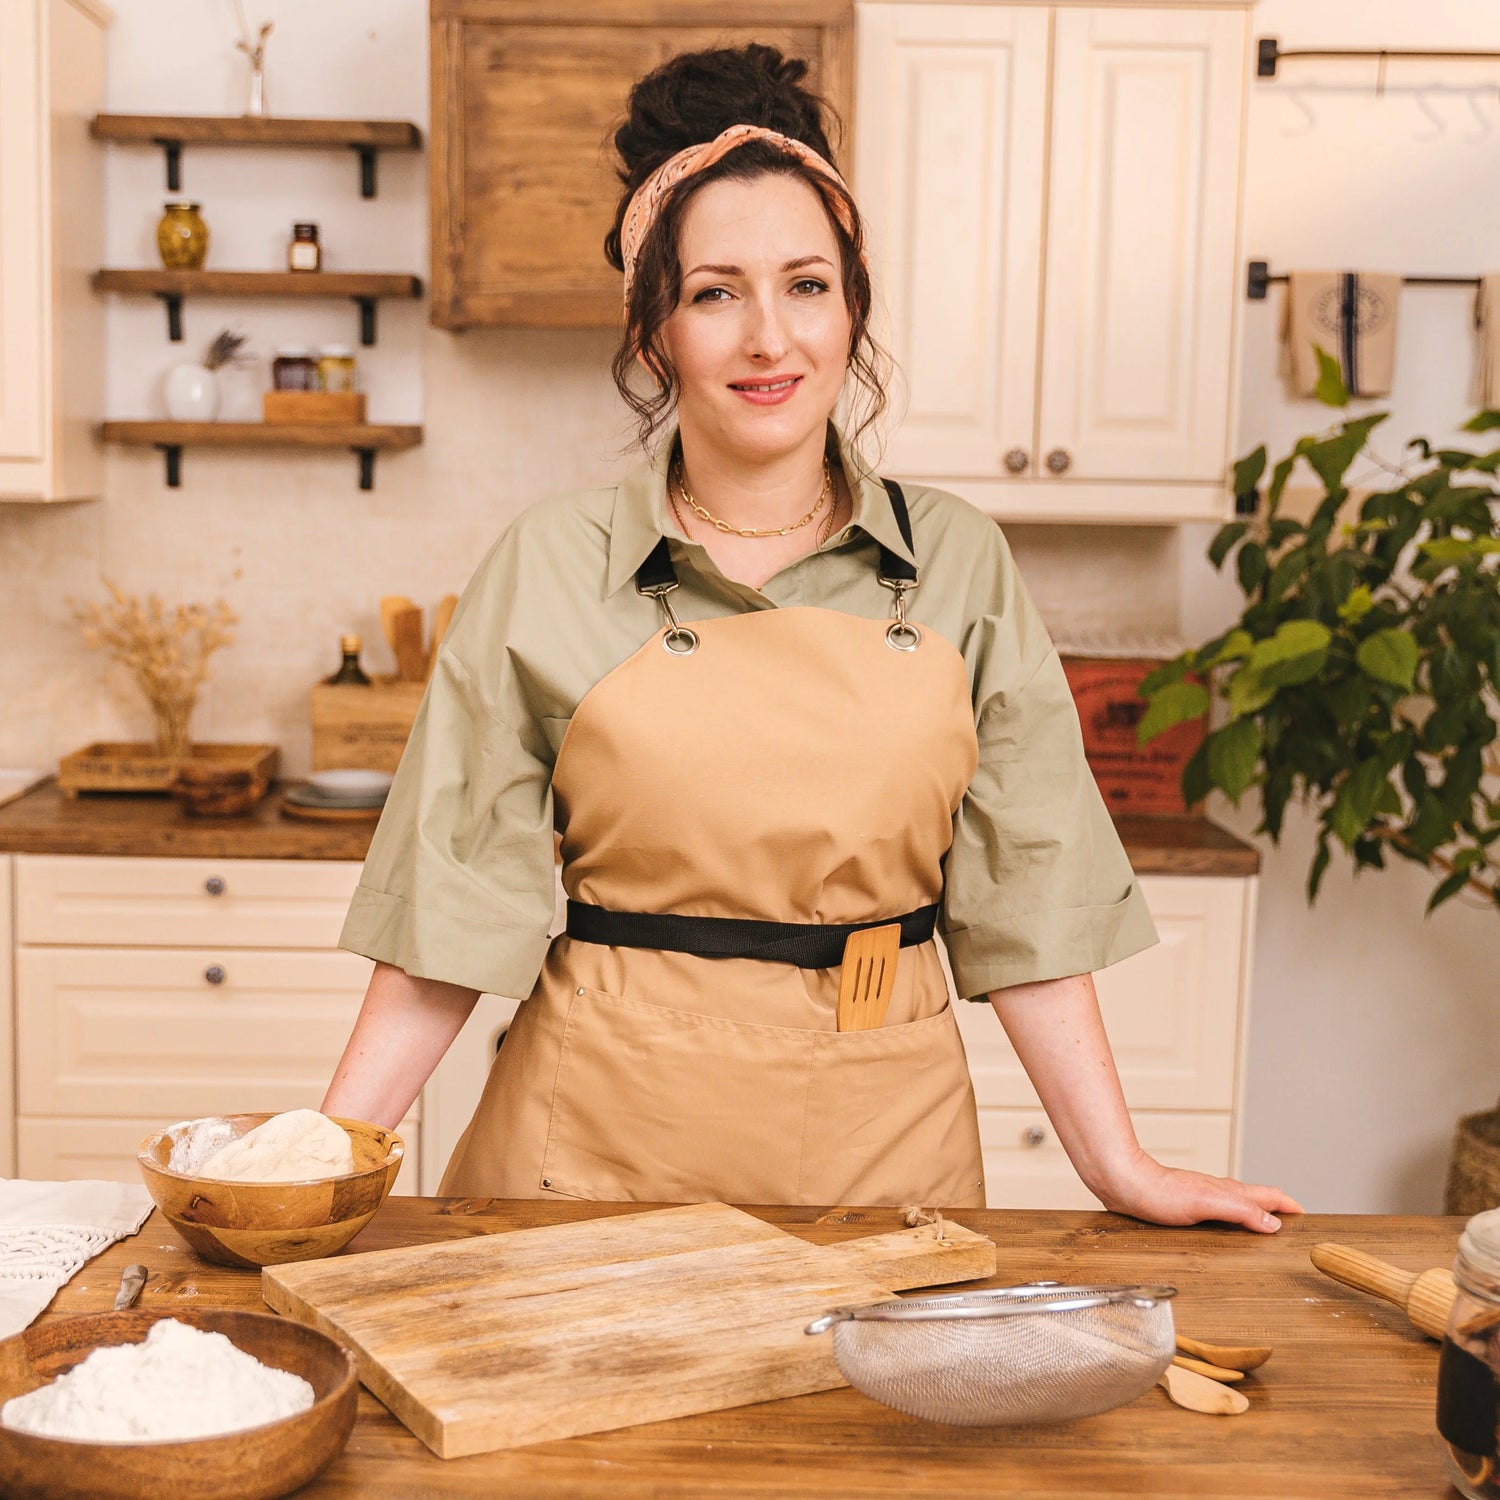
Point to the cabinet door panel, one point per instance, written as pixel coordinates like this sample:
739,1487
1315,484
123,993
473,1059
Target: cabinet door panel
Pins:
22,228
949,122
1025,1167
104,1150
1141,243
140,1031
269,903
1172,1011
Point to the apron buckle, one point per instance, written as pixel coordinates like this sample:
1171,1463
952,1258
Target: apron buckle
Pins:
901,635
678,640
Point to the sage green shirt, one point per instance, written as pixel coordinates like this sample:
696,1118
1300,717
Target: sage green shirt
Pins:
458,884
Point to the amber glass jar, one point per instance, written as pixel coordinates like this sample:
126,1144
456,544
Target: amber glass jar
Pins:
303,251
294,369
182,237
1468,1403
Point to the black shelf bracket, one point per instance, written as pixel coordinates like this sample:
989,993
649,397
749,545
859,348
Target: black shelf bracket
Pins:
173,452
366,156
1247,503
1257,280
173,150
366,319
174,315
366,468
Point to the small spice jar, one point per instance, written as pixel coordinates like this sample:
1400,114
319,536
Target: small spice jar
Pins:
182,237
304,253
1468,1399
294,369
336,371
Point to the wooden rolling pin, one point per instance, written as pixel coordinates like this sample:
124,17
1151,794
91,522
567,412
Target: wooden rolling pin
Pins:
1426,1297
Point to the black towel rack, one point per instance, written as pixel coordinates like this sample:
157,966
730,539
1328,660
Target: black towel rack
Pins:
1269,54
1259,278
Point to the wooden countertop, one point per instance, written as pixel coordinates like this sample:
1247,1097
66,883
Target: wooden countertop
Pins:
46,822
1344,1408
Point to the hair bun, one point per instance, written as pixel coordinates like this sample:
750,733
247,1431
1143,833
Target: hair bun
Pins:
696,95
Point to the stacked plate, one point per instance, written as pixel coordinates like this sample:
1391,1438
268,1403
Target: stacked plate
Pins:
341,791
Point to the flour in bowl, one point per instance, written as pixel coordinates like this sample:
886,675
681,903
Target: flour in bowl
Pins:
182,1382
299,1145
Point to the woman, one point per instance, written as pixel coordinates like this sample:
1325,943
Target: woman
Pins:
764,698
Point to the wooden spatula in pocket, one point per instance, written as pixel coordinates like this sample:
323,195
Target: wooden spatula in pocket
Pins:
868,976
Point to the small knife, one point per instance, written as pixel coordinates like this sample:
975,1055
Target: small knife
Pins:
131,1284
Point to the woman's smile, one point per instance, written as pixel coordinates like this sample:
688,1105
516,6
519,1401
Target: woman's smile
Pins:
767,391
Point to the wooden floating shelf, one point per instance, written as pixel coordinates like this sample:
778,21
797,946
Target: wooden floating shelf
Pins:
362,287
173,132
365,439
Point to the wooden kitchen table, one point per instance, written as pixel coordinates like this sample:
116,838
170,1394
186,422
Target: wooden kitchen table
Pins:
1344,1408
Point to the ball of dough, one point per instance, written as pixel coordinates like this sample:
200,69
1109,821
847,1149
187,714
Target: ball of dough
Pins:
297,1146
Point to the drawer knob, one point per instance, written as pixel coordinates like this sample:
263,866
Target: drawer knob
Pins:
1016,460
1034,1136
214,885
1059,461
214,973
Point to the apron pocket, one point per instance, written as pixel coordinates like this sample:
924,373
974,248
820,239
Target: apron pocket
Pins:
892,1119
659,1105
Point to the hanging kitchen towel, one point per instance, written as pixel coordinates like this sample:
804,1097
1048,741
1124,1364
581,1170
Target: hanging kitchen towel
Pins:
1487,321
50,1230
1351,314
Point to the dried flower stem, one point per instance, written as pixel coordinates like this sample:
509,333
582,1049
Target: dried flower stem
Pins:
167,650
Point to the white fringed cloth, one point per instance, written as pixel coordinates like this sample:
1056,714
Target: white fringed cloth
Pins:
50,1230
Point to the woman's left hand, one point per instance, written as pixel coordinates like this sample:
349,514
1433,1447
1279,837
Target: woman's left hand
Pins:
1147,1190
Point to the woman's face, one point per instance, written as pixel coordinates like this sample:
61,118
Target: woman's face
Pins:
760,336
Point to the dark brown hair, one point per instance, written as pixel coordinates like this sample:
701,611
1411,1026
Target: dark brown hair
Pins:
691,99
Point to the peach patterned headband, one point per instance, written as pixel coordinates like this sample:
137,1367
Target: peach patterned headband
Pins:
646,202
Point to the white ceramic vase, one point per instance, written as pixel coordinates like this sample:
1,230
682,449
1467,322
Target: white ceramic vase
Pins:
192,393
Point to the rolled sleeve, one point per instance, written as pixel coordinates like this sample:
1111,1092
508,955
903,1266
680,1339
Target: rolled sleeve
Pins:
1037,885
458,883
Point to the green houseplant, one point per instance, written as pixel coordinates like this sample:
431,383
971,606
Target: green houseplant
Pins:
1361,677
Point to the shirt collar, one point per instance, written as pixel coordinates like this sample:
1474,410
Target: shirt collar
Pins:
640,511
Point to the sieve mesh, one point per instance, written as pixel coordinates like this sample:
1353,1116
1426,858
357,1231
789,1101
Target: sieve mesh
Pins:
1025,1356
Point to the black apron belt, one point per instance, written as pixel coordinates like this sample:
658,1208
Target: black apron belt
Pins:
808,945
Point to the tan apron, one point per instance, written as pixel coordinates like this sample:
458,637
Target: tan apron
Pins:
795,768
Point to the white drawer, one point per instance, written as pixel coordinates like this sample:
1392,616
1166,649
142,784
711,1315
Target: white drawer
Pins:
171,903
1025,1167
68,1150
143,1031
1172,1012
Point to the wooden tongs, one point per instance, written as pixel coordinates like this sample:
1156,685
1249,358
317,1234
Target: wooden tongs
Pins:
868,976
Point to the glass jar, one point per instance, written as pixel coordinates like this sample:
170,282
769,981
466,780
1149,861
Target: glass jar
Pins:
1468,1399
304,253
182,237
294,369
336,368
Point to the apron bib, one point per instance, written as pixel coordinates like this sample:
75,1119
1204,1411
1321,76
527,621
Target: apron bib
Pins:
797,765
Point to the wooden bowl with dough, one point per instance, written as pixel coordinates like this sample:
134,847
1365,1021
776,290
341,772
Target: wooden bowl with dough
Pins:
256,1464
265,1223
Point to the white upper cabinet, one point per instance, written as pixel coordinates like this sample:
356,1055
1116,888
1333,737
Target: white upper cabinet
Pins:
1053,195
51,241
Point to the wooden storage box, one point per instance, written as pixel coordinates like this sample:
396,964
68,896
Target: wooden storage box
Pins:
1132,778
331,408
124,766
363,727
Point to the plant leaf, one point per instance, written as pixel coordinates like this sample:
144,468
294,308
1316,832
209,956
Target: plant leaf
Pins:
1172,705
1233,756
1224,539
1252,566
1447,889
1319,868
1330,389
1358,604
1389,656
1482,421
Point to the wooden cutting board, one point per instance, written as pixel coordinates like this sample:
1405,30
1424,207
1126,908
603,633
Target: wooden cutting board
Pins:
534,1334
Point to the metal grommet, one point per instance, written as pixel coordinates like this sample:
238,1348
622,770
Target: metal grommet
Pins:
686,641
579,990
900,636
546,1182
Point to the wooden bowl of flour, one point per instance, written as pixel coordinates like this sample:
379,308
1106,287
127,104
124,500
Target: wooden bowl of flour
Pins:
265,1223
256,1464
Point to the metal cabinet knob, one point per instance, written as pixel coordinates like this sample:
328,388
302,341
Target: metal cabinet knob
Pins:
1059,461
214,885
1016,461
214,974
1034,1136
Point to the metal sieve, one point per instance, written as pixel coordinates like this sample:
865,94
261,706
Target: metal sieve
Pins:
1036,1353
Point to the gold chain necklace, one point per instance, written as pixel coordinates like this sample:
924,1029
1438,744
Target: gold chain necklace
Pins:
750,531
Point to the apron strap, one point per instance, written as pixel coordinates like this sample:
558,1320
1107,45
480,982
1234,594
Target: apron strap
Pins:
808,945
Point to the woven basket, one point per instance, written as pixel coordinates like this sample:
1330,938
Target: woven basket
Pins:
1474,1172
